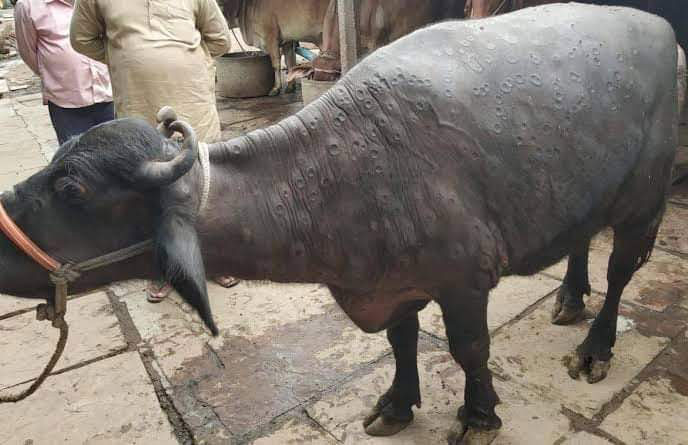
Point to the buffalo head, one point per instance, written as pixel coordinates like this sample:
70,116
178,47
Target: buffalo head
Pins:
114,186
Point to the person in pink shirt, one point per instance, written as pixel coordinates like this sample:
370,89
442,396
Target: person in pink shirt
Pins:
76,89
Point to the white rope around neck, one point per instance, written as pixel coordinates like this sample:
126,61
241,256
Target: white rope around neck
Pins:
204,158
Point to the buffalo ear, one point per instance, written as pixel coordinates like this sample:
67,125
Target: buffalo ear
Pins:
178,255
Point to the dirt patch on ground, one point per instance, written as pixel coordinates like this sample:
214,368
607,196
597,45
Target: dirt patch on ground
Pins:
285,366
662,294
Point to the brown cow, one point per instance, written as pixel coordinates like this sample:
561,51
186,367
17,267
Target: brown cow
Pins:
380,22
674,11
484,8
273,25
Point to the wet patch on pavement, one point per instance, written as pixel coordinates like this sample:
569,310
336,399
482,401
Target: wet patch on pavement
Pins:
250,380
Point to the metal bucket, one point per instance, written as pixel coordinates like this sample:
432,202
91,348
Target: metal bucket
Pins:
313,89
247,74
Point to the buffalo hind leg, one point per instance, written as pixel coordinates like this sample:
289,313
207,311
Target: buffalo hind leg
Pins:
465,320
393,412
632,249
569,306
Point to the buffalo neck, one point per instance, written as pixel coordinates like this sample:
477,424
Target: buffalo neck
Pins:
267,191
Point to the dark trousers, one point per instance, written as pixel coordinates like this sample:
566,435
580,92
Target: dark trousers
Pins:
70,122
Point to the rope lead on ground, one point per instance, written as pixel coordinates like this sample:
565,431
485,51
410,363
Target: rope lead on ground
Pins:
43,312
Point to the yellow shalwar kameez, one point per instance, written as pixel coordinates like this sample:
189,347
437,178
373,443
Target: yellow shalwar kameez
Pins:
159,52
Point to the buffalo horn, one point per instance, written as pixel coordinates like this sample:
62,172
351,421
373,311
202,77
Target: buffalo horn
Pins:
161,173
165,117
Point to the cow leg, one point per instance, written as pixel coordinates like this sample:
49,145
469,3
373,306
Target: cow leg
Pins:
273,48
393,413
632,249
289,50
569,306
465,320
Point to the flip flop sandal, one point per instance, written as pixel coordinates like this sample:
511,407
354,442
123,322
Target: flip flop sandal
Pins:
227,282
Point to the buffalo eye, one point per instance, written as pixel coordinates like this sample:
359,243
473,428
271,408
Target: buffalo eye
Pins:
71,190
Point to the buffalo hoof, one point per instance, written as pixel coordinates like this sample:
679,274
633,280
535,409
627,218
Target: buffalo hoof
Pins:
566,314
595,369
380,426
274,92
461,434
474,430
380,423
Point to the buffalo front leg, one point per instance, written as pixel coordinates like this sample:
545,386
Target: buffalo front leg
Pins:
569,306
465,320
631,250
393,412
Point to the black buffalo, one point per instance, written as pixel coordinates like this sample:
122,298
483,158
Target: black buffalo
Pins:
463,152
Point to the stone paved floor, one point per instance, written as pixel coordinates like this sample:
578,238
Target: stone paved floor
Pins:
290,368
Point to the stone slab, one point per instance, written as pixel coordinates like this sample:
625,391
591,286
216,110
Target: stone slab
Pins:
655,413
296,432
658,284
34,99
20,160
21,75
248,309
6,112
124,288
26,344
108,402
512,296
531,352
45,136
11,125
675,360
279,346
236,130
9,304
672,232
34,113
19,140
680,169
241,116
679,193
8,180
584,438
527,418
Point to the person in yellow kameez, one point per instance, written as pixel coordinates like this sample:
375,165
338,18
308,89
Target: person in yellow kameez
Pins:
159,52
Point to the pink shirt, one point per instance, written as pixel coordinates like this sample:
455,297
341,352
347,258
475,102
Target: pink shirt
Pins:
70,80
